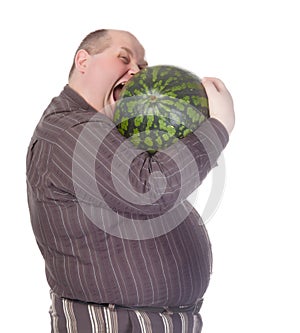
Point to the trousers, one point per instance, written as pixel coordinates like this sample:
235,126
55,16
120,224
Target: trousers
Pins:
69,316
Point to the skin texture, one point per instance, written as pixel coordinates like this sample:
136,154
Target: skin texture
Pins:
220,102
96,76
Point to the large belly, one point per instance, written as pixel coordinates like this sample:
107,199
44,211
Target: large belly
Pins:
172,269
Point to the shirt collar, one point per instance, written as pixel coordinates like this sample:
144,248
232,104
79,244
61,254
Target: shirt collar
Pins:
76,98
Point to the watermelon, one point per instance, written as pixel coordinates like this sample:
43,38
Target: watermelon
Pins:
160,105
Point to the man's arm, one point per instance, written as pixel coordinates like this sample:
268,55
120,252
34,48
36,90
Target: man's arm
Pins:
102,168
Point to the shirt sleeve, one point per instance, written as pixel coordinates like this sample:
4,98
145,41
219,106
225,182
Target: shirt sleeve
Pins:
94,164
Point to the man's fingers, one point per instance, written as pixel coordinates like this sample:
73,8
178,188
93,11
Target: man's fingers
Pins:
212,83
208,85
220,101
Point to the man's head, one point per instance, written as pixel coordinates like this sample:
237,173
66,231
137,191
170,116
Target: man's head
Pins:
104,61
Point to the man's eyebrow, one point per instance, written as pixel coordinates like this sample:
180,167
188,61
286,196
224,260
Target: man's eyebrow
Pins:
127,49
144,63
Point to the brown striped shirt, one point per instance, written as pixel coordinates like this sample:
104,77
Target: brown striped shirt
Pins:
112,222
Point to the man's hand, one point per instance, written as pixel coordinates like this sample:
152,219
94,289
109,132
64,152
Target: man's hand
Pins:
220,102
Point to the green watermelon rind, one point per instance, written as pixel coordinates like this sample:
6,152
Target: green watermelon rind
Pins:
152,116
177,111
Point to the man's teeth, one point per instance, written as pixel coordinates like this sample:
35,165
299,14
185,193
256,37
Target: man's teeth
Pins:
117,90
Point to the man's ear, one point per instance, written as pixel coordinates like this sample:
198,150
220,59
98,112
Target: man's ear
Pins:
81,60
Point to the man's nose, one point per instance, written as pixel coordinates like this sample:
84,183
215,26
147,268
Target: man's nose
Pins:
134,68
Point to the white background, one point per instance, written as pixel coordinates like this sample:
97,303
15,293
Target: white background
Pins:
253,46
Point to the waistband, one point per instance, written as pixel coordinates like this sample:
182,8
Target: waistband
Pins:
193,308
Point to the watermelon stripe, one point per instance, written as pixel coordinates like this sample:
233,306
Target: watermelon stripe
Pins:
159,105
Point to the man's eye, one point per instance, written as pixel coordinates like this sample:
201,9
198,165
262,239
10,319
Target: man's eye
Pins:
125,59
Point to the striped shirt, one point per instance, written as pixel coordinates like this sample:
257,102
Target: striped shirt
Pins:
112,222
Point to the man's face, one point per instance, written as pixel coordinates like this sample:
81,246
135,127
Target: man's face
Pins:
109,70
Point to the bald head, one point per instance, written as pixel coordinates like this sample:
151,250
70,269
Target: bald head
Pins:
103,62
97,41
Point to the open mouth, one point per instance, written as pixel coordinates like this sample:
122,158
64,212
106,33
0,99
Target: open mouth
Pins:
117,90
